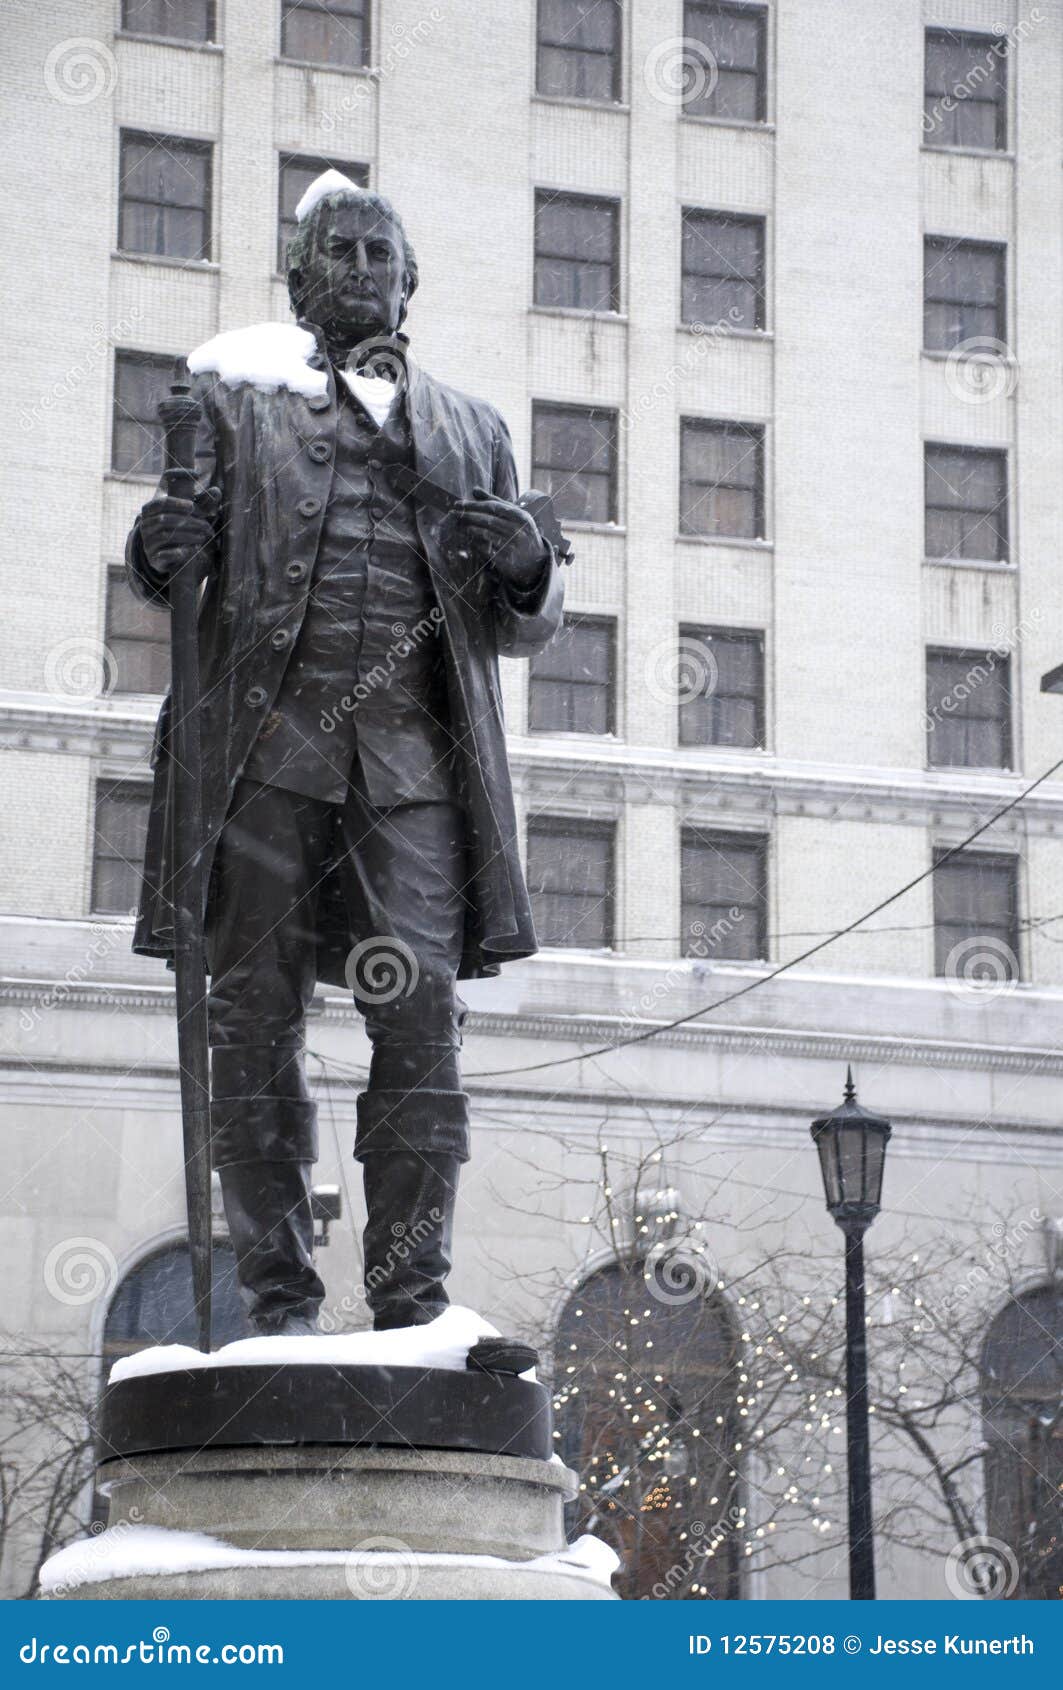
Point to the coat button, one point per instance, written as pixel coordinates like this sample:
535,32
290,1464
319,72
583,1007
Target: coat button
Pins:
319,402
296,572
318,450
315,361
376,463
309,507
279,639
255,697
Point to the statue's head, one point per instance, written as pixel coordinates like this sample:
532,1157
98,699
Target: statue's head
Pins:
351,269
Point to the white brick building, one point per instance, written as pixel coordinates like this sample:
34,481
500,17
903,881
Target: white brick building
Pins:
815,576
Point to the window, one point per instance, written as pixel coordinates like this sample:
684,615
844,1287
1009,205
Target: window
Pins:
968,710
571,686
297,171
138,639
164,196
724,889
1022,1388
172,20
653,1400
141,379
721,687
326,32
574,459
726,71
963,293
723,269
966,503
118,845
577,259
579,49
570,878
966,83
154,1303
976,924
721,479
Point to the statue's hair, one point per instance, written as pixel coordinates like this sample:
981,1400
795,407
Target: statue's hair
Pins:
304,240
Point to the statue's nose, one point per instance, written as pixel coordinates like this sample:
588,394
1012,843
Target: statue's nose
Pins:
361,259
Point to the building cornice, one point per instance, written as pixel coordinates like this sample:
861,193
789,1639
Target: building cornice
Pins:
576,775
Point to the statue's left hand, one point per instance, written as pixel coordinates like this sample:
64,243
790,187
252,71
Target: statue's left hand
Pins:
502,535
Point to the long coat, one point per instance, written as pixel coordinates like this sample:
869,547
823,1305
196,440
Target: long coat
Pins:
270,454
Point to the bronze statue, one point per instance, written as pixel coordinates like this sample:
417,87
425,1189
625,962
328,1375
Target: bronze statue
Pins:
364,563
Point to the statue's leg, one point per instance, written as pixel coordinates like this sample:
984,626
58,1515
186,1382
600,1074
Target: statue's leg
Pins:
262,950
404,872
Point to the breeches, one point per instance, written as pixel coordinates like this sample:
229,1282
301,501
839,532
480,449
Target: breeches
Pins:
402,874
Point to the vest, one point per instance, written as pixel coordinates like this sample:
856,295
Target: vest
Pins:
364,695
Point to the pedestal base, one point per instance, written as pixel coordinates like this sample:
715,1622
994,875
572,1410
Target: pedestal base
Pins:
264,1484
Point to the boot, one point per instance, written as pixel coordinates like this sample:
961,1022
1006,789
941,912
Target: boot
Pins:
267,1207
411,1144
410,1196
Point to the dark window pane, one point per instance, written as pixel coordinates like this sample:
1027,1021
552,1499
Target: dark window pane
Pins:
579,49
141,379
721,687
326,32
118,845
164,196
966,503
966,101
176,20
1022,1387
968,709
576,252
963,293
571,685
723,881
726,72
154,1303
678,1362
297,171
574,460
138,639
976,923
723,269
721,479
570,879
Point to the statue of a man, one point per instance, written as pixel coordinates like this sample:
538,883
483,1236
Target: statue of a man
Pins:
365,561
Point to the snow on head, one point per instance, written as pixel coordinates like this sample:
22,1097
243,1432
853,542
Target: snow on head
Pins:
329,182
268,355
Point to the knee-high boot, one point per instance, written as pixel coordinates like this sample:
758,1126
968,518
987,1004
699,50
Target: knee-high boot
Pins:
265,1144
411,1146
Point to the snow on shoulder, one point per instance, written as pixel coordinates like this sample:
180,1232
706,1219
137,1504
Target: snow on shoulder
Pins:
444,1342
266,355
329,182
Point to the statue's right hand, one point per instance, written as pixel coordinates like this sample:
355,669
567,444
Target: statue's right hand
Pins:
175,532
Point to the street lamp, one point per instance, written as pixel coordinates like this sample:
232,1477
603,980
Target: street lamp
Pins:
852,1152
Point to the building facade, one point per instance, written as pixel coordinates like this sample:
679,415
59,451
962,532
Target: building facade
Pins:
771,300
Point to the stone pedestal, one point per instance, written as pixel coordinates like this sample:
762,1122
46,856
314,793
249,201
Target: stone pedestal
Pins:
358,1483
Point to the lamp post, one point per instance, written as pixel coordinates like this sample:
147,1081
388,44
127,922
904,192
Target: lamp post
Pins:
852,1151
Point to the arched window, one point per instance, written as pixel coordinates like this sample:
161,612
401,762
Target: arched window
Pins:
153,1304
645,1400
1022,1406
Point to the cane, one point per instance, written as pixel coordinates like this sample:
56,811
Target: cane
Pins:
180,415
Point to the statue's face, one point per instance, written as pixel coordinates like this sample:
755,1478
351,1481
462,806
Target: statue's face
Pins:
355,278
